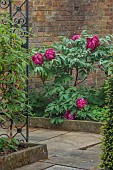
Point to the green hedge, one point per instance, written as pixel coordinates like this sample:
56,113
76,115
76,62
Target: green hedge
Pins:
107,145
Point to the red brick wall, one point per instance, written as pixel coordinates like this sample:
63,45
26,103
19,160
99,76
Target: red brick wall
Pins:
50,19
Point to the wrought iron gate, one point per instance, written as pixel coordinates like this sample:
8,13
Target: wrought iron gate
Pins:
18,12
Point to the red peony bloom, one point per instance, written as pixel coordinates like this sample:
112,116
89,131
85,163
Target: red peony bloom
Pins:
92,43
37,58
75,37
68,115
50,54
81,103
71,117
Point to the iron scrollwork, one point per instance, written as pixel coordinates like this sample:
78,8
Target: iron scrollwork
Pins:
19,15
4,4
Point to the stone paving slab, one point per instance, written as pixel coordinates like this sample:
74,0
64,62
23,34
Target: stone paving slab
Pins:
36,166
69,142
46,166
81,159
45,134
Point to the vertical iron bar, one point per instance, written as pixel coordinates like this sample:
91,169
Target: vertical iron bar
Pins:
27,71
10,15
10,9
11,128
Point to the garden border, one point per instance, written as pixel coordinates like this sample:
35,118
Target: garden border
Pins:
68,125
33,153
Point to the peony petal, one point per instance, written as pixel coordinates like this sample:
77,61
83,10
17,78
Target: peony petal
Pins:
75,37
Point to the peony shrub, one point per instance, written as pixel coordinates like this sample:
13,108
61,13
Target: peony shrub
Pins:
78,53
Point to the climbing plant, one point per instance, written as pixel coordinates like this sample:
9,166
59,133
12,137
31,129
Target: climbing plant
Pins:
13,61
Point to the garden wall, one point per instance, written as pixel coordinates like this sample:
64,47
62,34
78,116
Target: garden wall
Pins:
50,19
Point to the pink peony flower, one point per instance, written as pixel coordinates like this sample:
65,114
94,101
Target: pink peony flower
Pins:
75,37
92,43
71,117
81,103
68,115
50,54
37,58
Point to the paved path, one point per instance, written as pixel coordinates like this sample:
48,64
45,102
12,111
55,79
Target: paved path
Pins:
67,150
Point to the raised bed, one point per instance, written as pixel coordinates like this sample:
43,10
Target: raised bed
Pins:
32,153
68,125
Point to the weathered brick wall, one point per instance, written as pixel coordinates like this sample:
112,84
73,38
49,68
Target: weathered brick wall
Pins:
50,19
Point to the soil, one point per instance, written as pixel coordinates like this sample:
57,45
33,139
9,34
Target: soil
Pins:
20,147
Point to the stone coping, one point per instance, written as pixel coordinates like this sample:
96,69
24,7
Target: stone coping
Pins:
68,125
31,154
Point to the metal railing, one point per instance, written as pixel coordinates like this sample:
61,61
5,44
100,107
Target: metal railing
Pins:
18,13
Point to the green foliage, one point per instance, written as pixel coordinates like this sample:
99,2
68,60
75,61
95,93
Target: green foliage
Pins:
98,113
107,60
94,96
38,103
7,144
107,155
63,99
57,120
66,100
96,101
13,62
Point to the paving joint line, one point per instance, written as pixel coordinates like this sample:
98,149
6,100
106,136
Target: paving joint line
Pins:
66,166
53,137
89,146
49,167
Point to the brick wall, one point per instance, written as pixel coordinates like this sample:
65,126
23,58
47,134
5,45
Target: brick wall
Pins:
50,19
